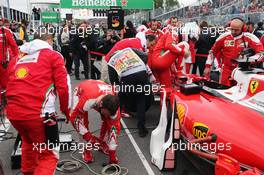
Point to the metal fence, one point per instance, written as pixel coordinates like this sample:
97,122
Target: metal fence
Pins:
137,18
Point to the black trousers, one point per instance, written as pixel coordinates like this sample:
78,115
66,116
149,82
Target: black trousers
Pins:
81,56
135,93
95,73
200,63
65,51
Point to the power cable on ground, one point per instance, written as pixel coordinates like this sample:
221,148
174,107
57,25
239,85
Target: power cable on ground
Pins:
75,164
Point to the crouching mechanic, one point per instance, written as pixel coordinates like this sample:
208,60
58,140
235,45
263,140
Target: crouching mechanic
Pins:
97,95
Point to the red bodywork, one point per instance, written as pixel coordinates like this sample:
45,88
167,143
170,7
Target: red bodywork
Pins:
239,130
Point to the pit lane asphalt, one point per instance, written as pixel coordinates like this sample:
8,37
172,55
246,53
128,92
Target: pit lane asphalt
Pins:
126,152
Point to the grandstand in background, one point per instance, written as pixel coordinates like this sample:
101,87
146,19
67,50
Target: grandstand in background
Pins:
216,12
14,14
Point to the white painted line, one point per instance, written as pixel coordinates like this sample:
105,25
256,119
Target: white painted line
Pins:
139,152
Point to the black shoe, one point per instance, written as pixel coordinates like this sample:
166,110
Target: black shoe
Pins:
143,132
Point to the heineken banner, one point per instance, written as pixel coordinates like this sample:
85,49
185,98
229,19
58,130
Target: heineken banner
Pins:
50,17
102,4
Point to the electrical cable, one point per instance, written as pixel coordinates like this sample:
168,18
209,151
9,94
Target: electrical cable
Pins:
74,165
69,166
4,135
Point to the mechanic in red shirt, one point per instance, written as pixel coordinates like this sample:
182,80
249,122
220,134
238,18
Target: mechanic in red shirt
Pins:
154,29
151,53
34,82
166,53
97,95
231,44
190,39
8,51
191,59
172,23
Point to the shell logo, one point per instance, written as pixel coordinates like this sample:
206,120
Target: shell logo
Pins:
21,73
181,112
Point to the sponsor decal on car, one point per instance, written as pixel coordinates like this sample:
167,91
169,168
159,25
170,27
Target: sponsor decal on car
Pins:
181,112
200,130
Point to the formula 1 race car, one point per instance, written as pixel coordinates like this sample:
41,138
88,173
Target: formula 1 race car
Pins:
222,125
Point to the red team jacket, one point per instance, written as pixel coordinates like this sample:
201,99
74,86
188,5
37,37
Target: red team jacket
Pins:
34,82
89,90
230,47
166,42
10,44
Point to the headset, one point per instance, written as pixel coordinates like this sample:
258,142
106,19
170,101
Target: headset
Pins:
244,27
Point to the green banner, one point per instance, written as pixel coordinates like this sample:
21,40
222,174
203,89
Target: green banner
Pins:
105,4
50,17
54,5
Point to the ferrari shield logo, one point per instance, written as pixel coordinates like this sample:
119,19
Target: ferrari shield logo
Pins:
254,84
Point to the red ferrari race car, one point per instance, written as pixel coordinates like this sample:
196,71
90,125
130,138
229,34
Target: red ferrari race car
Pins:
222,125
